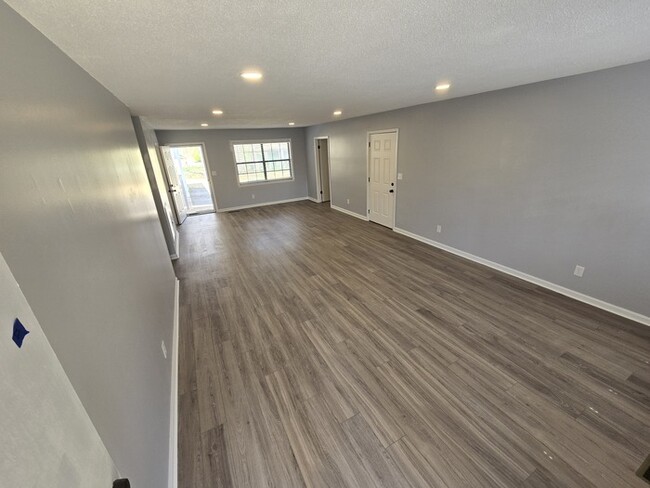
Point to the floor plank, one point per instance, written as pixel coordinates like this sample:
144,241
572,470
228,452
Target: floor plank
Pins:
317,350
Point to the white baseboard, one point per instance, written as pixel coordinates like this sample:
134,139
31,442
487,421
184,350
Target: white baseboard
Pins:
615,309
313,200
173,414
345,211
277,202
177,246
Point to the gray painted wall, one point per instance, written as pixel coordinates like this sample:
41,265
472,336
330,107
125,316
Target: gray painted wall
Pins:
538,178
47,436
220,158
148,143
81,235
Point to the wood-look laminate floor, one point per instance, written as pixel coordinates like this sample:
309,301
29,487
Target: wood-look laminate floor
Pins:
319,350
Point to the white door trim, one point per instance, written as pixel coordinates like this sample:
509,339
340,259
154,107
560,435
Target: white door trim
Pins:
368,134
207,168
317,169
169,184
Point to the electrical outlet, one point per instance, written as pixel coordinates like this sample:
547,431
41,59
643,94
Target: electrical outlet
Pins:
164,349
438,229
348,201
579,271
253,196
399,176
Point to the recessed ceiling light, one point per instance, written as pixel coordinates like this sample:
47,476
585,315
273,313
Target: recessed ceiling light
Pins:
251,75
338,112
217,112
204,125
292,123
442,86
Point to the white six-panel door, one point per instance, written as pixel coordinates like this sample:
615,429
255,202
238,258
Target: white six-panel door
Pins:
382,175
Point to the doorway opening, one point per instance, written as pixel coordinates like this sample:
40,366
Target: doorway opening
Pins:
189,169
322,151
382,176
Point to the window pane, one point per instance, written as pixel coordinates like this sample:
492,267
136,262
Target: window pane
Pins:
259,167
267,150
257,152
241,168
286,174
248,153
286,165
243,178
284,150
239,153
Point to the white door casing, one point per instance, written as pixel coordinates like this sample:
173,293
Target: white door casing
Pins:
162,188
180,205
323,160
382,175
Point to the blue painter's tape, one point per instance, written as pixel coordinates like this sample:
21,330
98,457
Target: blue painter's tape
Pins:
19,333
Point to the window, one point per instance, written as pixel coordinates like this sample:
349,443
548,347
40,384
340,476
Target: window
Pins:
264,161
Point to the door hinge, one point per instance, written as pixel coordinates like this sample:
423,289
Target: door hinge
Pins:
368,210
368,179
321,192
368,143
319,146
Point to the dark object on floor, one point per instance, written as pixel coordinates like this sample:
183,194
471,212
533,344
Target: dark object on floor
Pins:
644,471
123,483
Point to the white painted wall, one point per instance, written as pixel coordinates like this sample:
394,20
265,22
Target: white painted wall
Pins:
48,440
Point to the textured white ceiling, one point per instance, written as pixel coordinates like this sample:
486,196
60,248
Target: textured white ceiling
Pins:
173,62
